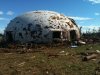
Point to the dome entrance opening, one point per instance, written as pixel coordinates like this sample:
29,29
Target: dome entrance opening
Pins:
56,34
73,35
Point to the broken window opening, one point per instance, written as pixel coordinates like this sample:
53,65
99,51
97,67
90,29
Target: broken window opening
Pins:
20,34
56,34
9,36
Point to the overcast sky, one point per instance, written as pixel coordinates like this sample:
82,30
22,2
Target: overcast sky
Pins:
85,12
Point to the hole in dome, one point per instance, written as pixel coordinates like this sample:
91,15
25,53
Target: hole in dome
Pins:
56,34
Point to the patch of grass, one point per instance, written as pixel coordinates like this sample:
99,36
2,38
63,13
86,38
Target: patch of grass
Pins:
68,62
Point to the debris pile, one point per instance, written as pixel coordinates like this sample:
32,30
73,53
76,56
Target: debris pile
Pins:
90,55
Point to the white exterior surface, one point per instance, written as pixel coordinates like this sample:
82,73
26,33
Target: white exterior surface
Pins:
38,27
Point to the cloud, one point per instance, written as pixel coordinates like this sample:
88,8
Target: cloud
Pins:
1,12
97,14
81,22
94,1
81,18
89,27
3,19
10,13
2,30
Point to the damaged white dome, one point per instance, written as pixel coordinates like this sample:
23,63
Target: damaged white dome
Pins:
41,27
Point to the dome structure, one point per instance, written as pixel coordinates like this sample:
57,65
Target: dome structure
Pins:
41,27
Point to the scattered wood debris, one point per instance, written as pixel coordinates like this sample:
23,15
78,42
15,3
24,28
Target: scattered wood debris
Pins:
89,57
97,71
